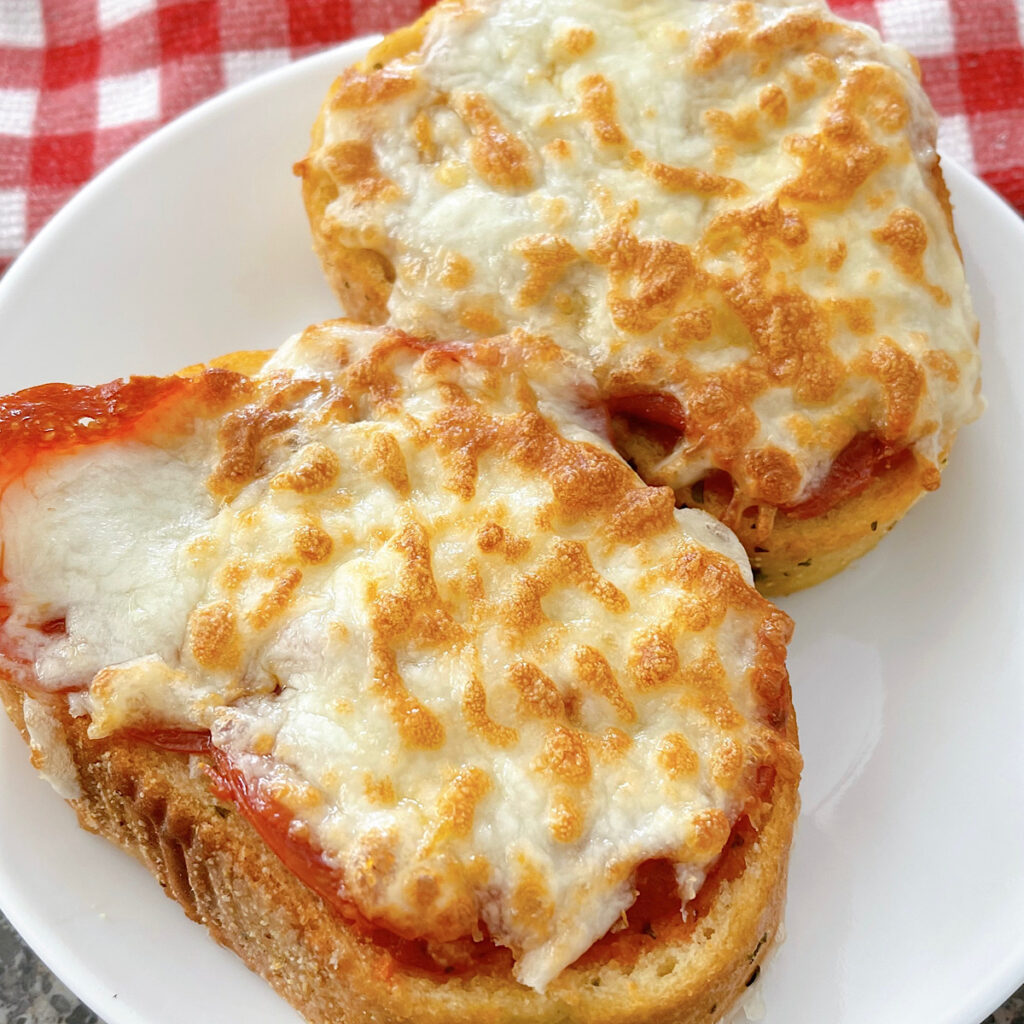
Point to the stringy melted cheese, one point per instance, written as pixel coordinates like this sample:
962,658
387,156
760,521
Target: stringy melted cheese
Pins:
734,203
418,600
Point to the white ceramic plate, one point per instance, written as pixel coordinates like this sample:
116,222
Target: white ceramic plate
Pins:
907,890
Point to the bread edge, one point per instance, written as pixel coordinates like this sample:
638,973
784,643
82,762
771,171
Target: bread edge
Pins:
158,806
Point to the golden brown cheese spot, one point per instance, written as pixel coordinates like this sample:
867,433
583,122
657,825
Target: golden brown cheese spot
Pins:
711,830
741,127
693,613
569,562
859,314
727,763
771,678
648,278
316,468
716,578
522,611
200,548
598,106
423,136
943,364
677,759
452,174
821,67
357,88
690,325
715,47
538,695
640,513
613,744
566,818
653,659
276,600
386,461
772,102
560,149
793,334
353,162
835,162
242,438
368,877
417,725
479,320
835,256
576,41
882,98
583,478
392,614
693,180
494,538
565,756
594,672
379,791
213,636
461,433
498,156
457,271
416,577
556,212
775,473
422,890
234,573
312,544
724,157
706,690
474,710
547,257
906,235
457,805
793,229
744,14
296,796
902,383
531,904
717,413
798,30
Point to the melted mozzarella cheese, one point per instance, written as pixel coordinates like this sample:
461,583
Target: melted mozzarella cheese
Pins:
420,604
737,204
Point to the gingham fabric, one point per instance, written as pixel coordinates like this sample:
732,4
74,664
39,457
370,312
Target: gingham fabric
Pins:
83,80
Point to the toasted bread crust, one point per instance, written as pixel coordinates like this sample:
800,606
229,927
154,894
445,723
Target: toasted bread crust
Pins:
158,806
803,552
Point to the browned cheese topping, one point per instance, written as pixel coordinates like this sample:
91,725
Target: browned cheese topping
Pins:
425,609
735,205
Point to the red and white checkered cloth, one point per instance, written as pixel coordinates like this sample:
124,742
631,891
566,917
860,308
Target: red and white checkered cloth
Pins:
82,80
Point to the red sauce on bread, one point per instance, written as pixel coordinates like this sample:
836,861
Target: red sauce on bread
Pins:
656,416
656,914
861,462
866,457
57,418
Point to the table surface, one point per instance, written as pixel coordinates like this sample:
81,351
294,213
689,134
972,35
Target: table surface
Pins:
30,994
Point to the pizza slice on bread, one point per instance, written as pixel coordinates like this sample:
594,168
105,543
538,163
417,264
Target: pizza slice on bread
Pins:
401,681
733,211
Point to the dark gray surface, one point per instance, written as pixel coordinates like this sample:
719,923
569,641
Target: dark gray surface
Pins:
30,994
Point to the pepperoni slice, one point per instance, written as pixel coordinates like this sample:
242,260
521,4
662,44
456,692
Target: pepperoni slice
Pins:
866,457
657,416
